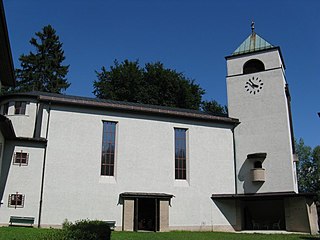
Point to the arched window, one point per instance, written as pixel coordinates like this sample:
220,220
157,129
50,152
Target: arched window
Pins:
257,164
252,66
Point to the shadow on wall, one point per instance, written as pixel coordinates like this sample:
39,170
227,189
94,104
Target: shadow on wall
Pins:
228,209
245,176
7,160
6,164
120,200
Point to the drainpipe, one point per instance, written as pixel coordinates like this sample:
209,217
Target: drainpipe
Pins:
234,162
43,168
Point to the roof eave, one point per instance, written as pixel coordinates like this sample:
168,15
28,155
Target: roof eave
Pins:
246,196
124,107
130,195
6,66
31,140
142,109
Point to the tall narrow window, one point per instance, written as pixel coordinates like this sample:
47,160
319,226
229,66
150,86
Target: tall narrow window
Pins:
108,148
20,108
180,153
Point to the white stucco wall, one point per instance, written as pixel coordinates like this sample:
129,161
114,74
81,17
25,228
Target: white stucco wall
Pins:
271,59
264,124
23,124
44,124
74,188
22,179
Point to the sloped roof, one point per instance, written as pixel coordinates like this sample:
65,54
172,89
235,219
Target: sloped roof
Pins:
145,195
88,102
6,66
253,43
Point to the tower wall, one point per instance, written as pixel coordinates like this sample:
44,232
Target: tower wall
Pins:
265,125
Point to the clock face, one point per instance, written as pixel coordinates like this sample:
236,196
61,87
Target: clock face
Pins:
254,85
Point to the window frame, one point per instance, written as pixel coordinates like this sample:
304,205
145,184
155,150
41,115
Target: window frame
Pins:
13,200
108,159
20,162
181,162
20,107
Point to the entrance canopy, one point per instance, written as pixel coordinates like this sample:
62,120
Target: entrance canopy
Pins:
145,211
290,211
257,196
127,195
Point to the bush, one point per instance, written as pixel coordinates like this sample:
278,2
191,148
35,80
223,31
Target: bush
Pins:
86,230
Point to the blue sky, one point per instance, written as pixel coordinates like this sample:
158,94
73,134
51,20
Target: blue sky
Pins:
191,36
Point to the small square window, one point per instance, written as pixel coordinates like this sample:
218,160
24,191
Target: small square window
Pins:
21,158
16,200
20,108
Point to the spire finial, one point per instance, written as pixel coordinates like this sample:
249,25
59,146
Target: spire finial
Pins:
252,27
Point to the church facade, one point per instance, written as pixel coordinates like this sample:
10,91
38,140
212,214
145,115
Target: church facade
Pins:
157,168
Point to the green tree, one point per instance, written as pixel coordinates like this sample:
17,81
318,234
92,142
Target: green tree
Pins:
42,70
152,84
308,168
213,107
124,82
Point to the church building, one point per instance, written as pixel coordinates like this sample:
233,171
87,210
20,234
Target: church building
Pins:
158,168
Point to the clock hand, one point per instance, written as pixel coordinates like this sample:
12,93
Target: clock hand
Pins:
253,85
250,84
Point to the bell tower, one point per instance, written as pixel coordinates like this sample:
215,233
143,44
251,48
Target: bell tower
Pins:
258,96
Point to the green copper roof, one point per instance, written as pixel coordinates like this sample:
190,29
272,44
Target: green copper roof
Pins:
253,43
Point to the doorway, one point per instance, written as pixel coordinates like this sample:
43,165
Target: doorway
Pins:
145,211
146,214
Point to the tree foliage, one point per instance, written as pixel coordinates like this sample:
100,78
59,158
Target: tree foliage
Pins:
213,107
152,84
42,70
308,168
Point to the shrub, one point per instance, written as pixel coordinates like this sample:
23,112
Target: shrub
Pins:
86,230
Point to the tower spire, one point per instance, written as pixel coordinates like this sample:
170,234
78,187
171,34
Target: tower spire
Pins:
252,27
253,43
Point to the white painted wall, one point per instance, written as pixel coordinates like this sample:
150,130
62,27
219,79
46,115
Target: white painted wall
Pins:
74,188
271,59
264,124
23,124
44,124
22,179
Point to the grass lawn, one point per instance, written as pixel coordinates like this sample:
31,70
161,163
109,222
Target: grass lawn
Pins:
23,233
204,236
